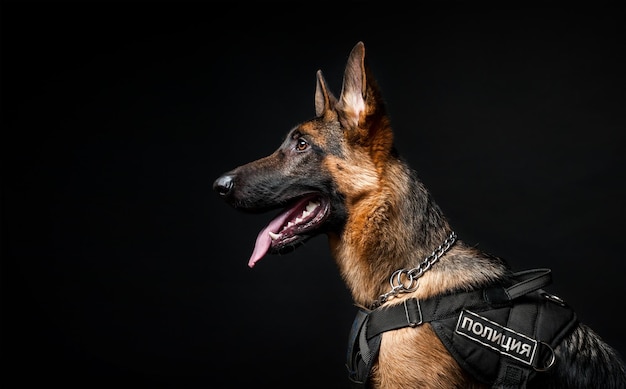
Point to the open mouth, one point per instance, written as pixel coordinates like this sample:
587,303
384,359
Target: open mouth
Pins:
290,227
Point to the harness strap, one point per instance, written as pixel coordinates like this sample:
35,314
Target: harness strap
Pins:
511,376
527,281
413,312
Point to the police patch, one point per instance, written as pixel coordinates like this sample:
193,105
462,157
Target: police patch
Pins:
497,337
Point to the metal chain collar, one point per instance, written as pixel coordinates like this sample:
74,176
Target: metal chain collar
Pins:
404,281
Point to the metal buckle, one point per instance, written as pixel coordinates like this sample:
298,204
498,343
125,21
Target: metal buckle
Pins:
410,313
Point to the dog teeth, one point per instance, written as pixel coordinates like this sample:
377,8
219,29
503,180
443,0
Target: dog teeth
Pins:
305,213
311,206
274,236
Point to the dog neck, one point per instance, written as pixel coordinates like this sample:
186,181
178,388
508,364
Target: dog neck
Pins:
392,229
395,225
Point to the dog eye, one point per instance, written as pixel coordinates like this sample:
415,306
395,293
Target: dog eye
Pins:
302,145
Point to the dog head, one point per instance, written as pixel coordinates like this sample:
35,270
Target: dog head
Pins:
323,167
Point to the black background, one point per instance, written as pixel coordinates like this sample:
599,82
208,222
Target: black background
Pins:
121,267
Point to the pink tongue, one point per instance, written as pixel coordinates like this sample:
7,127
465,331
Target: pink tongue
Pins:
263,240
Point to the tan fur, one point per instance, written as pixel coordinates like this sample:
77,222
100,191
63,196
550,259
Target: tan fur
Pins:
372,218
357,173
415,358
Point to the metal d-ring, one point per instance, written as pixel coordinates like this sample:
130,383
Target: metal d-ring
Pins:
550,363
399,284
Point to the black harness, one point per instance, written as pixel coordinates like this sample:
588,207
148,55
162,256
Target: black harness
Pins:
501,335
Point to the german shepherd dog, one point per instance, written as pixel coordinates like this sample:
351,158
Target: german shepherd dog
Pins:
339,174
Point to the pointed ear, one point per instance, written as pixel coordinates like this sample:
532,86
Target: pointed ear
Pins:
353,92
324,99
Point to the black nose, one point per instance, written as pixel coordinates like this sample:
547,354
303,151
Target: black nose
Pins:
224,184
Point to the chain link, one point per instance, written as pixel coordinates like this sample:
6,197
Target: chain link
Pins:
404,281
